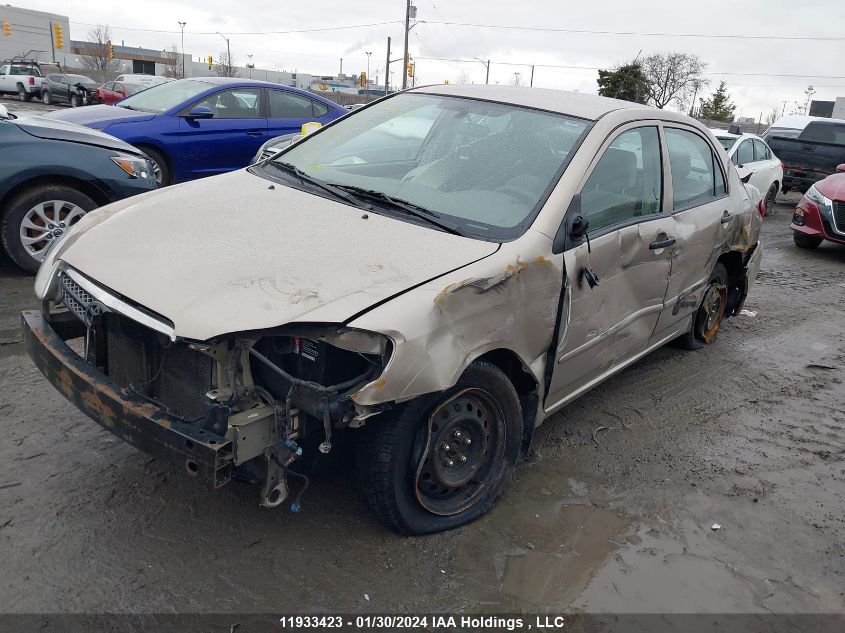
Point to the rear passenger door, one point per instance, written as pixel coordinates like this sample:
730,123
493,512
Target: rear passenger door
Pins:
702,219
629,250
289,110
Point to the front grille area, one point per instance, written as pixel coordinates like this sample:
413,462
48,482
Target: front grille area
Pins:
839,216
150,364
75,299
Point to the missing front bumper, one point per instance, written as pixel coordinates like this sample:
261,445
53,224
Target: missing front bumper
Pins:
140,423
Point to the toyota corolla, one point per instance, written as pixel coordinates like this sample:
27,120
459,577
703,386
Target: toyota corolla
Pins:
440,271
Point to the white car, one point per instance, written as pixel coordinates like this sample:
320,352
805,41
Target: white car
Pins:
755,162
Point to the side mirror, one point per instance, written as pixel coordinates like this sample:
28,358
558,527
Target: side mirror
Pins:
746,178
573,229
200,112
4,113
841,168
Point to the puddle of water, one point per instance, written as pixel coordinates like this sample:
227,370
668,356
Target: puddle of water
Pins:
571,548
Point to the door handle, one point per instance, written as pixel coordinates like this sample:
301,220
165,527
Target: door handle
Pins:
726,217
658,244
254,132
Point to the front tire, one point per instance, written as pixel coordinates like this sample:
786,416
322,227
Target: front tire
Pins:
443,459
806,241
163,174
707,320
37,217
75,101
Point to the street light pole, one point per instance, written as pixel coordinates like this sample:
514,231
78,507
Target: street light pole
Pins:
407,30
250,65
228,54
182,26
367,81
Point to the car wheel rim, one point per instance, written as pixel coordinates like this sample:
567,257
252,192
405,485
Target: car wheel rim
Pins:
156,171
45,223
711,312
770,200
458,452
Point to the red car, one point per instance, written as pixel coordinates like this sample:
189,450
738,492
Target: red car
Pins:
821,213
114,91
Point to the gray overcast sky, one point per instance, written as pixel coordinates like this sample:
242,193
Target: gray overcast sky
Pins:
319,52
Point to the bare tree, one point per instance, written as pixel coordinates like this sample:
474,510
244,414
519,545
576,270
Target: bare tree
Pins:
225,65
96,55
673,78
464,78
771,117
173,62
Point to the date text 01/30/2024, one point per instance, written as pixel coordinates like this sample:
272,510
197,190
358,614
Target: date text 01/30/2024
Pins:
474,623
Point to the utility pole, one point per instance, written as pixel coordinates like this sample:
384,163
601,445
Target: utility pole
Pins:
531,85
229,67
407,30
487,78
250,65
387,69
367,80
783,110
52,42
341,66
182,26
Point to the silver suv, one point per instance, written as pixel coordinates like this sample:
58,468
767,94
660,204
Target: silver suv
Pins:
439,271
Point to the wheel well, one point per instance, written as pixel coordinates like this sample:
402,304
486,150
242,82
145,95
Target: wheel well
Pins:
526,388
87,188
732,261
160,152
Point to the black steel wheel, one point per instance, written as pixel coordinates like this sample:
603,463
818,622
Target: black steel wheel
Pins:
444,459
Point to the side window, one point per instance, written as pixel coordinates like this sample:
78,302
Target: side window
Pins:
4,70
694,168
745,153
627,182
320,109
761,151
239,103
109,86
287,105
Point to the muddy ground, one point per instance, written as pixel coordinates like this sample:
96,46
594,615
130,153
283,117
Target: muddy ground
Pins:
612,512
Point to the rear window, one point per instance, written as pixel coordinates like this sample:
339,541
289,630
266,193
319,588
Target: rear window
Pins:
783,132
818,132
727,142
25,70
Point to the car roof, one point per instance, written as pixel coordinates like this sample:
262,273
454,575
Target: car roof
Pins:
725,134
577,104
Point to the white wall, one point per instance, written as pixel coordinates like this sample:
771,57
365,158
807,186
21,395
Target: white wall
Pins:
31,31
839,108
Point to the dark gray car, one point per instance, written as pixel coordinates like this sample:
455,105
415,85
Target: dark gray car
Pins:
77,90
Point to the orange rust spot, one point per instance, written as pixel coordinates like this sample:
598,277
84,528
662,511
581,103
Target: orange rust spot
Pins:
542,260
97,406
379,384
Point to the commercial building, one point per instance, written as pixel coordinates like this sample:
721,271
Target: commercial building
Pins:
32,34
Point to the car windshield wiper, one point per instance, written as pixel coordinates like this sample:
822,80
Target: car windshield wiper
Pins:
129,107
408,207
316,182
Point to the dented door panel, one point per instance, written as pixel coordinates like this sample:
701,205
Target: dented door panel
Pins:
613,321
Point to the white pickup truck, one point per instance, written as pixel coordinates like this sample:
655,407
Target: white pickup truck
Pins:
23,78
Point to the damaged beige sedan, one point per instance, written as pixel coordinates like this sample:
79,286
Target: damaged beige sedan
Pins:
438,273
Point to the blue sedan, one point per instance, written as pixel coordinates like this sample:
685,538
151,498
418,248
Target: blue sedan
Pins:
204,126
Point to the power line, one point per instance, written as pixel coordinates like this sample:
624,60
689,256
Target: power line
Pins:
230,33
637,33
570,67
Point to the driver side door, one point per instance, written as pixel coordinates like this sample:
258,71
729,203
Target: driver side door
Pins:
629,250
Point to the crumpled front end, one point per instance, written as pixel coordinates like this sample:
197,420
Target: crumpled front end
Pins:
240,405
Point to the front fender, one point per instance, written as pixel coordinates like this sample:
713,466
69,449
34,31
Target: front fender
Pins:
506,301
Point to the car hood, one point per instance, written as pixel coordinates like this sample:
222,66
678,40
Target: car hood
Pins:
62,131
99,116
235,252
833,187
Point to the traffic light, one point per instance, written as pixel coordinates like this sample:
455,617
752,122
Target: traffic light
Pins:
7,28
210,62
59,39
410,69
109,50
362,81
